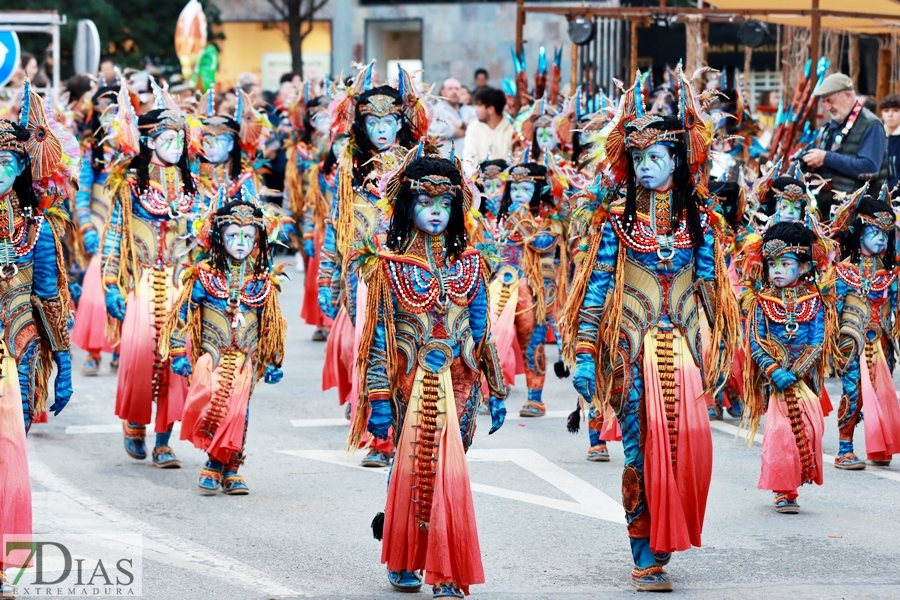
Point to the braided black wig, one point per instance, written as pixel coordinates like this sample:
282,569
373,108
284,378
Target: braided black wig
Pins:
401,229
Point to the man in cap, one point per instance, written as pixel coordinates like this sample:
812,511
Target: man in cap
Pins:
851,147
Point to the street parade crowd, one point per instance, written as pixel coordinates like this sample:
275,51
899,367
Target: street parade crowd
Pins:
681,259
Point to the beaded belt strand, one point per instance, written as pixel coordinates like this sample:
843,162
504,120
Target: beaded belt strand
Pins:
870,361
665,353
504,298
426,450
159,317
218,408
799,429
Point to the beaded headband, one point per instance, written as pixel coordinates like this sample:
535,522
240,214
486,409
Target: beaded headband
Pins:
520,174
380,105
881,220
168,119
217,125
492,172
544,120
239,215
8,139
778,248
645,134
792,192
433,185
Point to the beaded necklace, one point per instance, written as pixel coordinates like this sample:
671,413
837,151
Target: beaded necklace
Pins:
661,223
784,307
436,253
866,273
13,230
164,195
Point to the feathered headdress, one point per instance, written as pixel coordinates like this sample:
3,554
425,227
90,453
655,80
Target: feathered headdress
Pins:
254,124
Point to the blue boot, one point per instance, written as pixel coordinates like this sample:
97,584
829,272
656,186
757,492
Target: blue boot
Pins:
163,456
210,477
535,405
447,590
135,434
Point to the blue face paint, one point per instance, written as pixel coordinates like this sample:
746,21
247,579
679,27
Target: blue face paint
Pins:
873,241
654,167
784,271
520,194
168,146
11,166
546,138
217,148
789,210
382,131
431,215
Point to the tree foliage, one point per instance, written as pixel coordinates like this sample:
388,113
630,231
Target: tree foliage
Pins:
133,32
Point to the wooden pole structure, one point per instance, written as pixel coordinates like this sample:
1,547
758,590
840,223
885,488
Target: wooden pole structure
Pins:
815,21
520,26
853,58
633,63
885,59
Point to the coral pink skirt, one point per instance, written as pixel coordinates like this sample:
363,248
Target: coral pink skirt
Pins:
89,331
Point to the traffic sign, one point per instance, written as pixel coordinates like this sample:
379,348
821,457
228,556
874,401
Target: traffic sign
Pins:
87,47
10,53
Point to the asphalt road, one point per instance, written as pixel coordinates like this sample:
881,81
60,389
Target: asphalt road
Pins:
549,521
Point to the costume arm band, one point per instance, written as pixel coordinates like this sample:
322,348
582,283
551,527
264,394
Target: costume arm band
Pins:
111,244
493,370
52,324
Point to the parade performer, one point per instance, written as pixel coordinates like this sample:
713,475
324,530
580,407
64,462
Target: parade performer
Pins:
222,159
143,255
787,200
424,349
229,308
633,329
790,333
529,280
866,288
492,176
316,207
91,209
37,156
382,122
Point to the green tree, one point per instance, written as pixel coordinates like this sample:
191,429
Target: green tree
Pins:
132,32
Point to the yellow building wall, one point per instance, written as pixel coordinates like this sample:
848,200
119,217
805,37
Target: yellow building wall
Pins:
245,43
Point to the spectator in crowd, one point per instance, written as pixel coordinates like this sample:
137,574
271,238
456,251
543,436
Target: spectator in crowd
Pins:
249,82
108,69
451,118
481,79
492,135
890,114
851,146
465,96
29,64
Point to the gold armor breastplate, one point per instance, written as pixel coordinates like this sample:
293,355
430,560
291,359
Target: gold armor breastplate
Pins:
414,330
642,305
101,199
147,236
218,334
15,304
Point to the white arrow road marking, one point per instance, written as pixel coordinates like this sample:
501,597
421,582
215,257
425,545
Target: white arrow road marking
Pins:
3,52
827,458
343,422
589,501
66,509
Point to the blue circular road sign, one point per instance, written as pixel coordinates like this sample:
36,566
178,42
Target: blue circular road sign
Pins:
9,55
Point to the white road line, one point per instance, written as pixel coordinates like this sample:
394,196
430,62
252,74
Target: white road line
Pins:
343,422
67,509
589,501
110,428
871,470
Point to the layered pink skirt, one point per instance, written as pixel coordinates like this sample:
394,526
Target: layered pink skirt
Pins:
676,495
89,331
448,548
15,486
310,311
205,383
780,471
137,352
881,412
